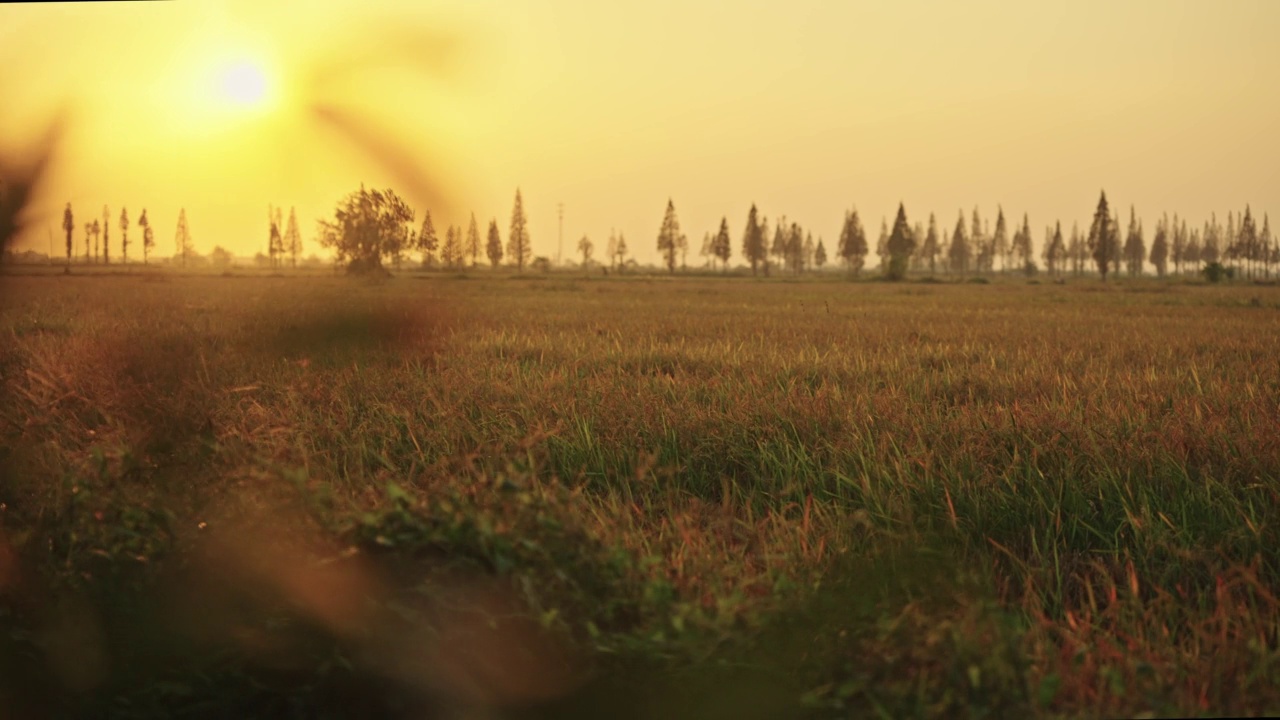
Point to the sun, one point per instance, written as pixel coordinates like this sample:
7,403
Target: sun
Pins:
244,83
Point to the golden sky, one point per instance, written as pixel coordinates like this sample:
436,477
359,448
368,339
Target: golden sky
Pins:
805,107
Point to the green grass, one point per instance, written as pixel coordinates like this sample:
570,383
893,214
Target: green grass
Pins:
678,497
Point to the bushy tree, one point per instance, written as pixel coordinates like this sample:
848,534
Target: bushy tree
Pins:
669,237
1103,237
493,248
853,242
518,247
366,227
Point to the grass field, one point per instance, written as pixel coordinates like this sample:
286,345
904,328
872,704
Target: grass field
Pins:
555,496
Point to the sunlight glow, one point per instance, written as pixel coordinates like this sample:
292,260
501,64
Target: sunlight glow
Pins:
244,83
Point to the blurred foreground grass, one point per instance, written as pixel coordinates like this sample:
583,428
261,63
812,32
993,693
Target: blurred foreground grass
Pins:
562,497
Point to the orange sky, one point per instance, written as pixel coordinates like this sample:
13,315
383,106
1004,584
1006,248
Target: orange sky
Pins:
804,107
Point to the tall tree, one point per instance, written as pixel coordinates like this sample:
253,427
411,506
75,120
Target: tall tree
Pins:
1211,248
622,251
901,245
807,251
183,236
1135,250
106,235
1247,240
853,242
518,248
1000,245
611,248
88,243
778,249
1266,245
124,234
1022,250
929,248
1160,248
494,247
669,237
979,246
585,247
721,245
427,240
959,253
451,254
882,245
148,236
753,240
1103,237
95,229
367,226
819,255
275,238
68,225
293,238
1055,250
472,246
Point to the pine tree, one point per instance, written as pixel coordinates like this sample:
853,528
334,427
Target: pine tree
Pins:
806,252
68,225
1266,245
979,247
1055,250
518,247
959,253
611,249
472,246
106,235
1160,248
275,240
753,240
819,255
1194,250
1000,245
293,238
929,248
1103,237
585,247
901,245
1210,247
1077,250
88,243
721,245
1247,240
669,237
95,230
451,253
622,251
882,246
778,249
853,242
183,236
124,234
148,236
1022,250
494,247
427,241
1135,250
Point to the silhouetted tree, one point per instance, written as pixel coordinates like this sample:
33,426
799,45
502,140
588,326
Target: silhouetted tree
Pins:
806,254
124,234
778,249
95,229
148,237
106,235
1160,248
585,247
183,236
427,240
472,246
1000,245
1022,250
622,251
1135,247
930,247
901,245
819,255
451,254
882,245
669,237
682,246
1267,246
1056,252
518,248
1103,237
220,257
721,245
88,242
959,253
275,238
853,242
753,240
68,225
366,225
494,246
1077,250
293,239
1211,247
1247,240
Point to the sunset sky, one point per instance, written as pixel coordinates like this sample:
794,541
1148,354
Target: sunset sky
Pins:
806,107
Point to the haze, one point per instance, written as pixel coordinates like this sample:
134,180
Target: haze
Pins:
805,108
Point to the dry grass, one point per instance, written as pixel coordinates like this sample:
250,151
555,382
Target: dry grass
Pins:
904,499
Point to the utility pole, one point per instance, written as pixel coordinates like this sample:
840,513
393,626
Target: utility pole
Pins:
560,246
